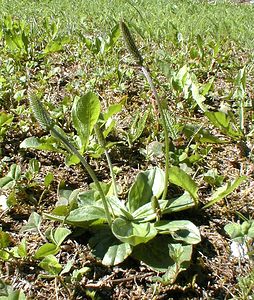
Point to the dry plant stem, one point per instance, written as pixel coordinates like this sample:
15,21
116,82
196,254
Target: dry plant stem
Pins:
89,170
156,96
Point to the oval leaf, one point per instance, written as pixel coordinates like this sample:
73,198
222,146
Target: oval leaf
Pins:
116,254
147,184
87,213
85,113
181,230
133,233
178,177
45,250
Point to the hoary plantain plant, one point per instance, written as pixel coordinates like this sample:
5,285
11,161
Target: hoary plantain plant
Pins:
133,227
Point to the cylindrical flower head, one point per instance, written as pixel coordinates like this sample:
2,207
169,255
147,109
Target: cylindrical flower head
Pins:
129,41
40,113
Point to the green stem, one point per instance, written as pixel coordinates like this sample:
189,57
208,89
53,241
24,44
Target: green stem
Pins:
90,171
102,143
164,125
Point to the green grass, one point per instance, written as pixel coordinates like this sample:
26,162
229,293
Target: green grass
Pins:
158,21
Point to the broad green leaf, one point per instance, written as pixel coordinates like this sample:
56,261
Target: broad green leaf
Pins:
46,250
133,233
85,113
14,295
60,216
87,213
207,86
71,159
201,135
61,210
172,125
178,177
114,35
234,230
199,98
107,247
179,79
22,248
112,110
48,179
68,267
58,235
212,177
146,212
52,47
147,184
181,230
86,198
117,254
5,256
5,239
34,166
155,253
225,123
7,182
5,119
225,190
51,265
200,44
178,204
33,223
250,232
15,172
11,178
48,144
118,207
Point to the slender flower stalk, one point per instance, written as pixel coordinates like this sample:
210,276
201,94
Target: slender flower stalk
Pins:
102,143
47,124
132,48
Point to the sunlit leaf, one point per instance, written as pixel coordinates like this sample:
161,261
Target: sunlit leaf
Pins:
48,144
178,177
147,184
201,135
85,113
5,239
225,123
181,230
33,223
133,233
51,265
58,235
224,191
46,250
178,204
116,254
87,213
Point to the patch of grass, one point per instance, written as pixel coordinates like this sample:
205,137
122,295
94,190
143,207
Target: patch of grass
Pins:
159,21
